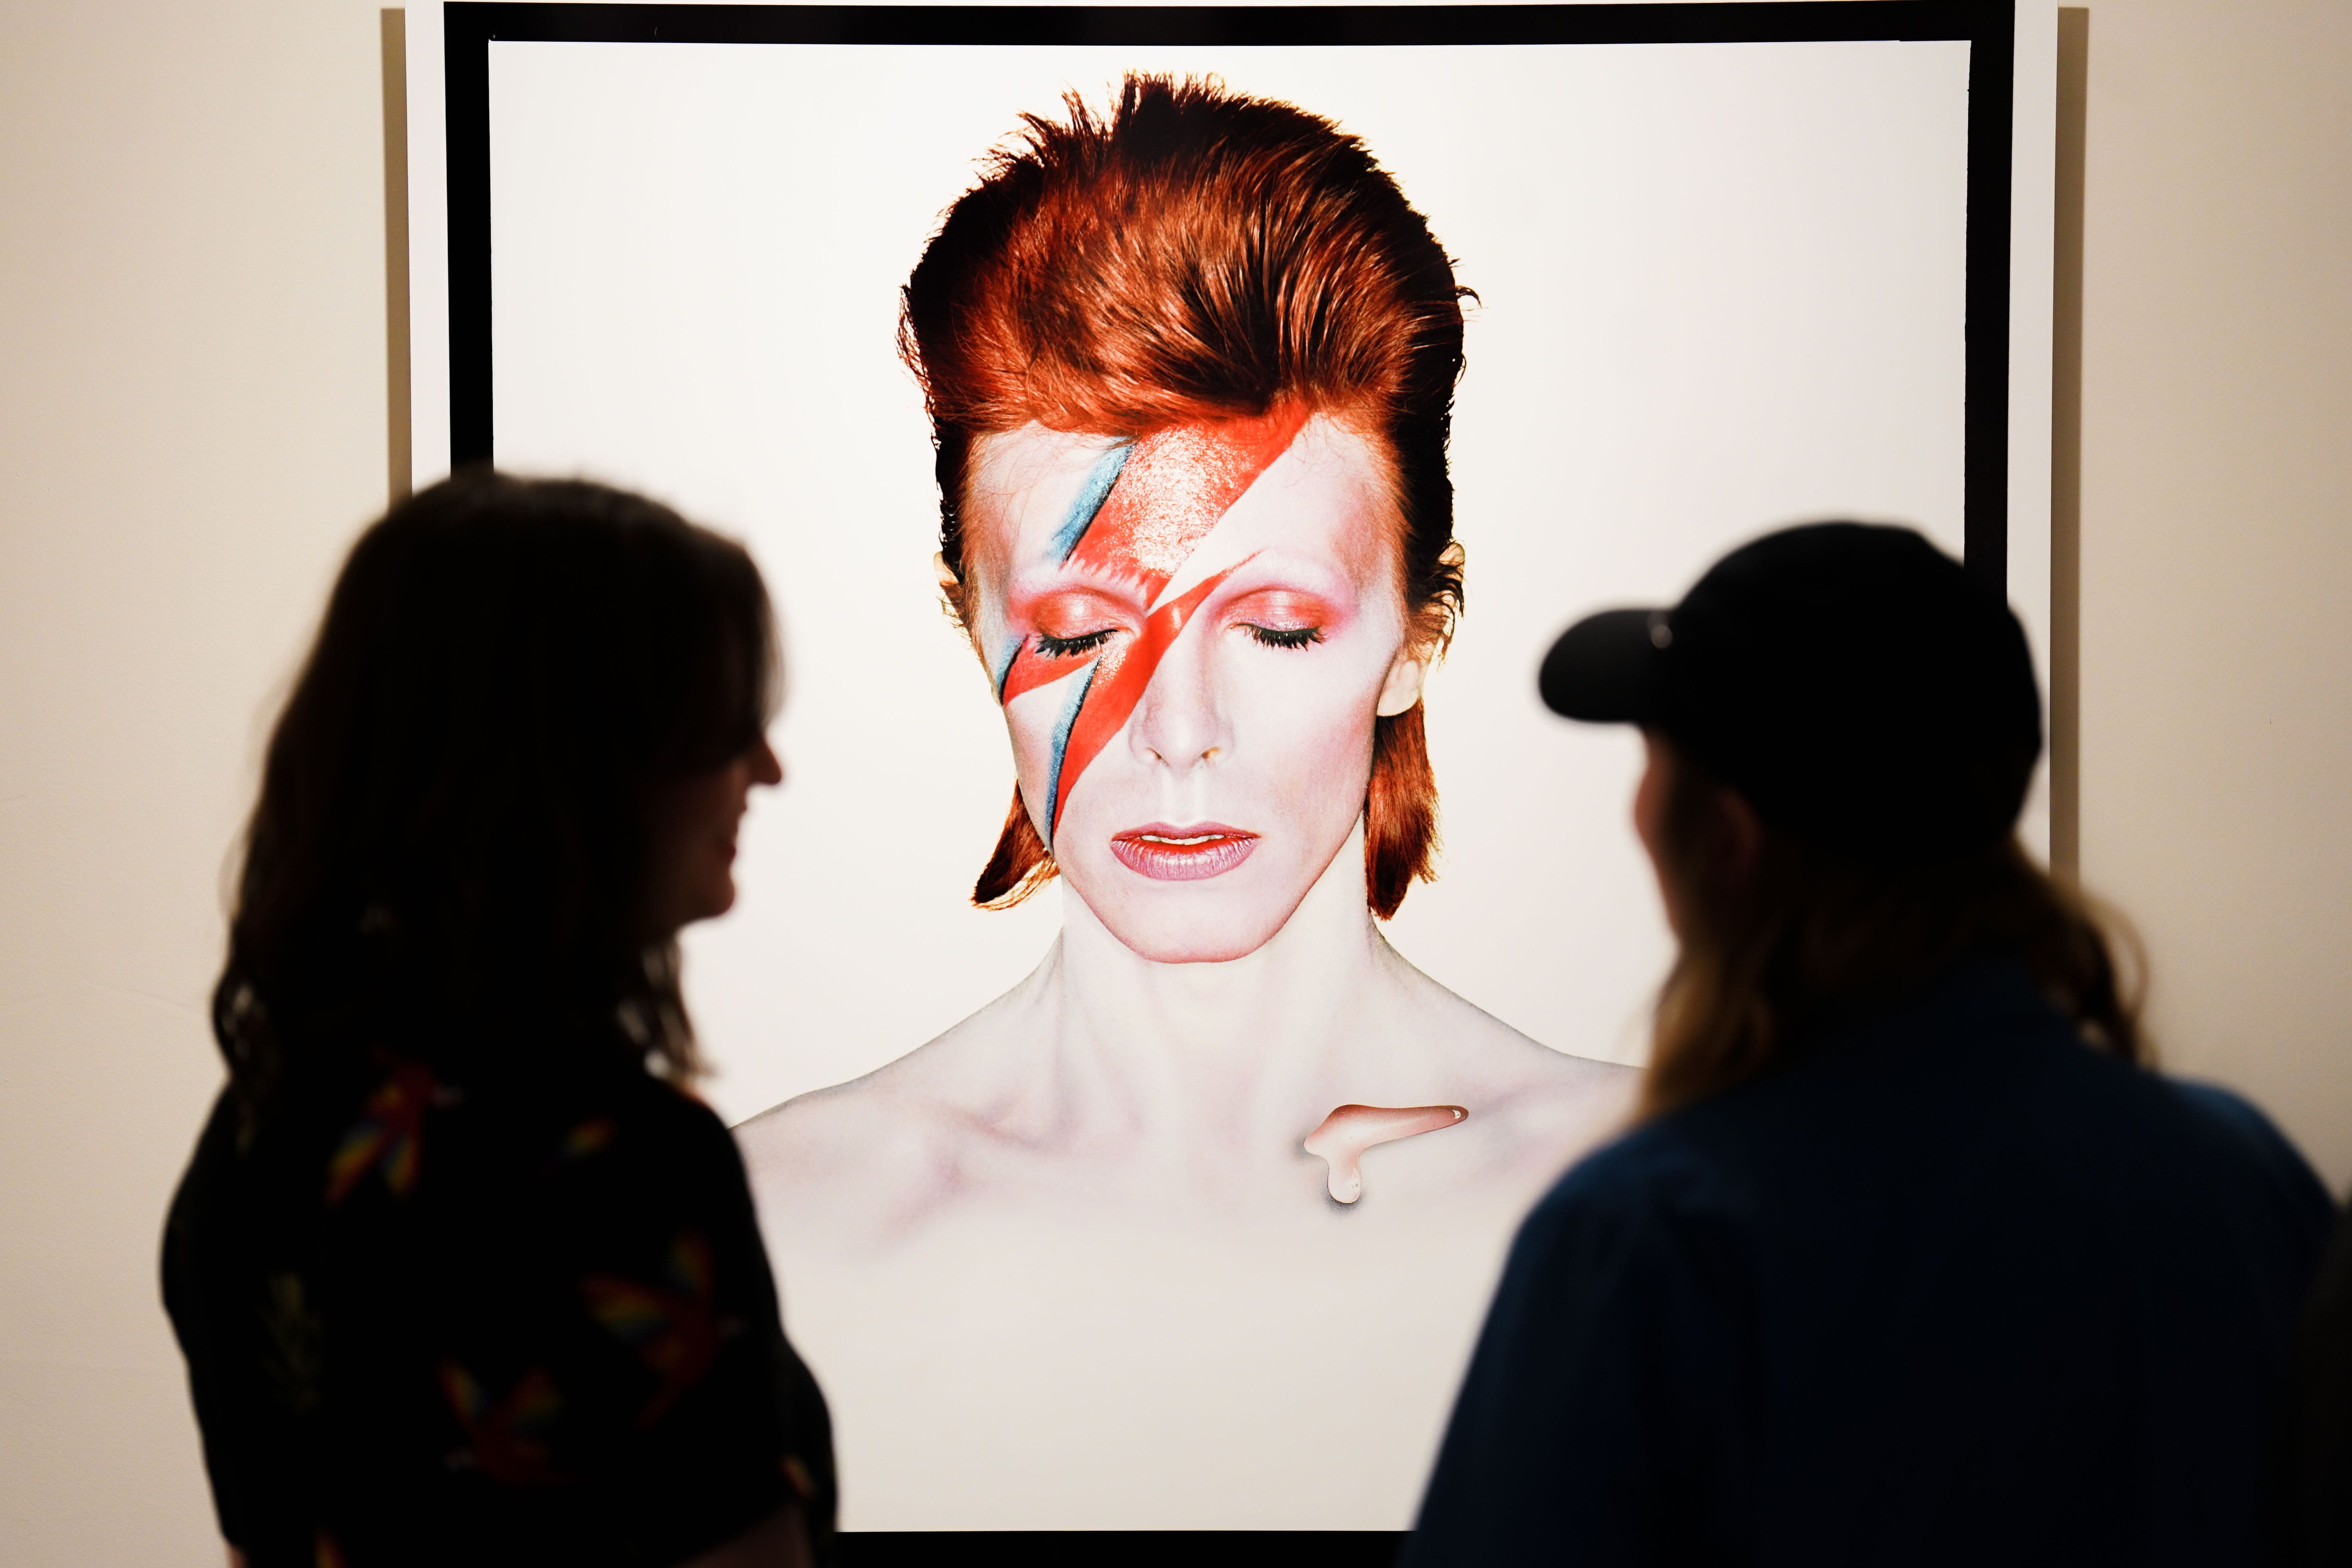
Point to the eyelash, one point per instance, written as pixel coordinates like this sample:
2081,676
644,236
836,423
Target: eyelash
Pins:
1070,647
1286,637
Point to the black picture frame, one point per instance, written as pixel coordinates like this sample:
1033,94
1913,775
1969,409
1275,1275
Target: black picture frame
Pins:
470,26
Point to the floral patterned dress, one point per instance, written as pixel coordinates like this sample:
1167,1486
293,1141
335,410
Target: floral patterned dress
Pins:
433,1321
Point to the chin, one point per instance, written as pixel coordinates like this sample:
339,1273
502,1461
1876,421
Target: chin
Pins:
1169,942
1180,923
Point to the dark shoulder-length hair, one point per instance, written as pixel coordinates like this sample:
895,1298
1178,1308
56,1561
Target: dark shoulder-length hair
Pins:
448,857
1197,254
1802,932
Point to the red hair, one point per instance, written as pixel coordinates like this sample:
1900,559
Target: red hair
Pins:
1203,255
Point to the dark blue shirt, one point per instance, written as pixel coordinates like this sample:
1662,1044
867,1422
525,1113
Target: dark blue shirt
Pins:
1952,1287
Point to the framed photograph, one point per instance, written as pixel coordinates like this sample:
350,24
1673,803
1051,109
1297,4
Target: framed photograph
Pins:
1293,375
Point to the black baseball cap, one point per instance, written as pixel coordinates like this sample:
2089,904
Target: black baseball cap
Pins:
1853,682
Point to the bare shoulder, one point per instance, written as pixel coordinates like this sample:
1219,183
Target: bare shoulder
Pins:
1568,1104
863,1162
1538,1105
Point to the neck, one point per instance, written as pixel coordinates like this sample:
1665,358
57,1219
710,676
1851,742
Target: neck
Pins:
1251,1053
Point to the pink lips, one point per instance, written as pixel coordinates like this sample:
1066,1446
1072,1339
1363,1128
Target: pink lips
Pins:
1167,854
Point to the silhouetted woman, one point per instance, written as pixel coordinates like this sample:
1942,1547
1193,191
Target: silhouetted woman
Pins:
1912,1260
462,1271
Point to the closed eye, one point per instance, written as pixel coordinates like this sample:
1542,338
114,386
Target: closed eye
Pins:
1284,636
1071,648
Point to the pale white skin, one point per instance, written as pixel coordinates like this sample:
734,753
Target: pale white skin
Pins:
1067,1266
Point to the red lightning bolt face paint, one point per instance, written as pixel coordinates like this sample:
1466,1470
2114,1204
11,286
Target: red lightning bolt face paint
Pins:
1162,496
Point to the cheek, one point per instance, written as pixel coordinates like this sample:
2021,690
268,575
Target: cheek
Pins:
1308,714
1032,720
1030,723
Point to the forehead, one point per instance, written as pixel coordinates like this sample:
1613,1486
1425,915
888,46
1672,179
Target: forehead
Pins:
1327,494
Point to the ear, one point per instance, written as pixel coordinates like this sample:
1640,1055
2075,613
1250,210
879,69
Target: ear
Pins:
1402,690
947,579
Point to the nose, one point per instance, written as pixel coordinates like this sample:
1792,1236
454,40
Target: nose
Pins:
1181,721
767,768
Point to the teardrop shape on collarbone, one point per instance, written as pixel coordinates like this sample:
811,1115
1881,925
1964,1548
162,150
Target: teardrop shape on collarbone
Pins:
1340,1142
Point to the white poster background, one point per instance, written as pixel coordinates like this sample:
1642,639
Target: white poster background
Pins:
1719,286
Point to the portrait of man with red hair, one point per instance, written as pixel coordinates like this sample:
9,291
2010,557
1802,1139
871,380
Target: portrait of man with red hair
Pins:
1190,363
1184,947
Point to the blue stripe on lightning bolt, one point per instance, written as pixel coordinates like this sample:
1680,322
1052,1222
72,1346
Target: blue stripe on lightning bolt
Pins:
1091,496
1092,493
1076,699
1003,671
1095,490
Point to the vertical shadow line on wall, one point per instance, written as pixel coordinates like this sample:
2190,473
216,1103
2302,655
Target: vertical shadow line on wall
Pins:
399,453
2066,450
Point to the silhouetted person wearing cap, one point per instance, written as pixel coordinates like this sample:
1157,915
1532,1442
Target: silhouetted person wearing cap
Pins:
1910,1259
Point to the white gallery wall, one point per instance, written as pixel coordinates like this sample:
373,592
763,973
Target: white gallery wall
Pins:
192,426
2217,536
